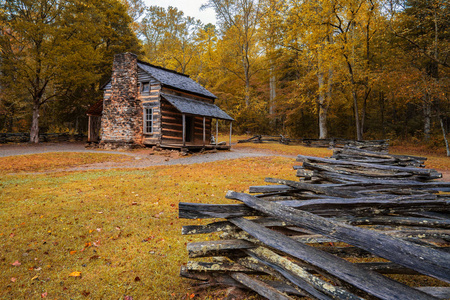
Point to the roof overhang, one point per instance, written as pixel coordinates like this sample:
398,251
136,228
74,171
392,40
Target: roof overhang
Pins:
195,107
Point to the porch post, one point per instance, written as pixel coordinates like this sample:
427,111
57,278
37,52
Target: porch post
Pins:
89,128
217,132
184,129
204,131
231,129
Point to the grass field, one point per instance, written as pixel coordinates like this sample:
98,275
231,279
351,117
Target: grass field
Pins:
111,234
119,229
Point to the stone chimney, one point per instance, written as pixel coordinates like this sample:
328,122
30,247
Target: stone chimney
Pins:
122,111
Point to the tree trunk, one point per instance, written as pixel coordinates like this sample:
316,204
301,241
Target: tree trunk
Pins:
426,118
34,131
381,104
273,92
359,136
246,66
323,134
445,137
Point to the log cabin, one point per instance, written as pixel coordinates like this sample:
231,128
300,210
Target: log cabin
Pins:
147,105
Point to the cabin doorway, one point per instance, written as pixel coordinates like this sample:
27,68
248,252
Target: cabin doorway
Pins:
189,129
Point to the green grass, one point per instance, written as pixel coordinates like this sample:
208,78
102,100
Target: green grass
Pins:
119,228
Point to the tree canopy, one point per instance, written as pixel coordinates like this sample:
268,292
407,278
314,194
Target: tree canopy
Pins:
363,69
56,52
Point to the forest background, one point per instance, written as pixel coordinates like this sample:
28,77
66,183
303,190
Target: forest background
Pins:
359,69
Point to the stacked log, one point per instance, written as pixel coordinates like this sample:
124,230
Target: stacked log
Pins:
351,225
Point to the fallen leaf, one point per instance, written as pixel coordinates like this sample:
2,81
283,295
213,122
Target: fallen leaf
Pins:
11,235
85,293
13,279
43,295
86,245
16,263
127,298
99,229
137,279
35,277
73,252
75,274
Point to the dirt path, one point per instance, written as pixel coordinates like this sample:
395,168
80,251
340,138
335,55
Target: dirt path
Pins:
142,158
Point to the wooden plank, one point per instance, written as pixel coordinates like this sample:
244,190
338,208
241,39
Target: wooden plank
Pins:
427,261
209,228
403,221
304,158
215,248
198,266
226,226
299,276
438,292
206,211
270,188
369,281
329,190
354,172
365,210
260,287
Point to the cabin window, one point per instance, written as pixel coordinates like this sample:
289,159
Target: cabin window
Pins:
148,120
145,87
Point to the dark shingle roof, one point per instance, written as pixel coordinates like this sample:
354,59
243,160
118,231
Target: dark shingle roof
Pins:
194,107
96,108
175,80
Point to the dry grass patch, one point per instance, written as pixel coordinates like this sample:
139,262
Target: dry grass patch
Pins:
118,228
54,161
276,148
435,159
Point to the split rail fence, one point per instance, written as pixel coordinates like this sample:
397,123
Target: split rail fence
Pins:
358,225
23,137
371,145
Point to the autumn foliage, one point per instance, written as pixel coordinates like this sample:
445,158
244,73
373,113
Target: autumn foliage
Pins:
364,69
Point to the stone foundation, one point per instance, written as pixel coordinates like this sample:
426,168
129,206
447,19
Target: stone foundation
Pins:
117,145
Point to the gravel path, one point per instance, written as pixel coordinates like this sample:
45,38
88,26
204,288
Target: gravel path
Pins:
142,158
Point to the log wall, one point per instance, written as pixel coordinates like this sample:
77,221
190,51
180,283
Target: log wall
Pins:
172,126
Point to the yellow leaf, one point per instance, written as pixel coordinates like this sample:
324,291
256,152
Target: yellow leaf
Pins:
34,278
75,274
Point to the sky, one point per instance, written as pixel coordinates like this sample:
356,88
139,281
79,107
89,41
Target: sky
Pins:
190,8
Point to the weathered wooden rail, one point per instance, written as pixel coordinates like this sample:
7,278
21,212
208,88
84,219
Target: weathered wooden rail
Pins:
374,145
23,137
359,225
